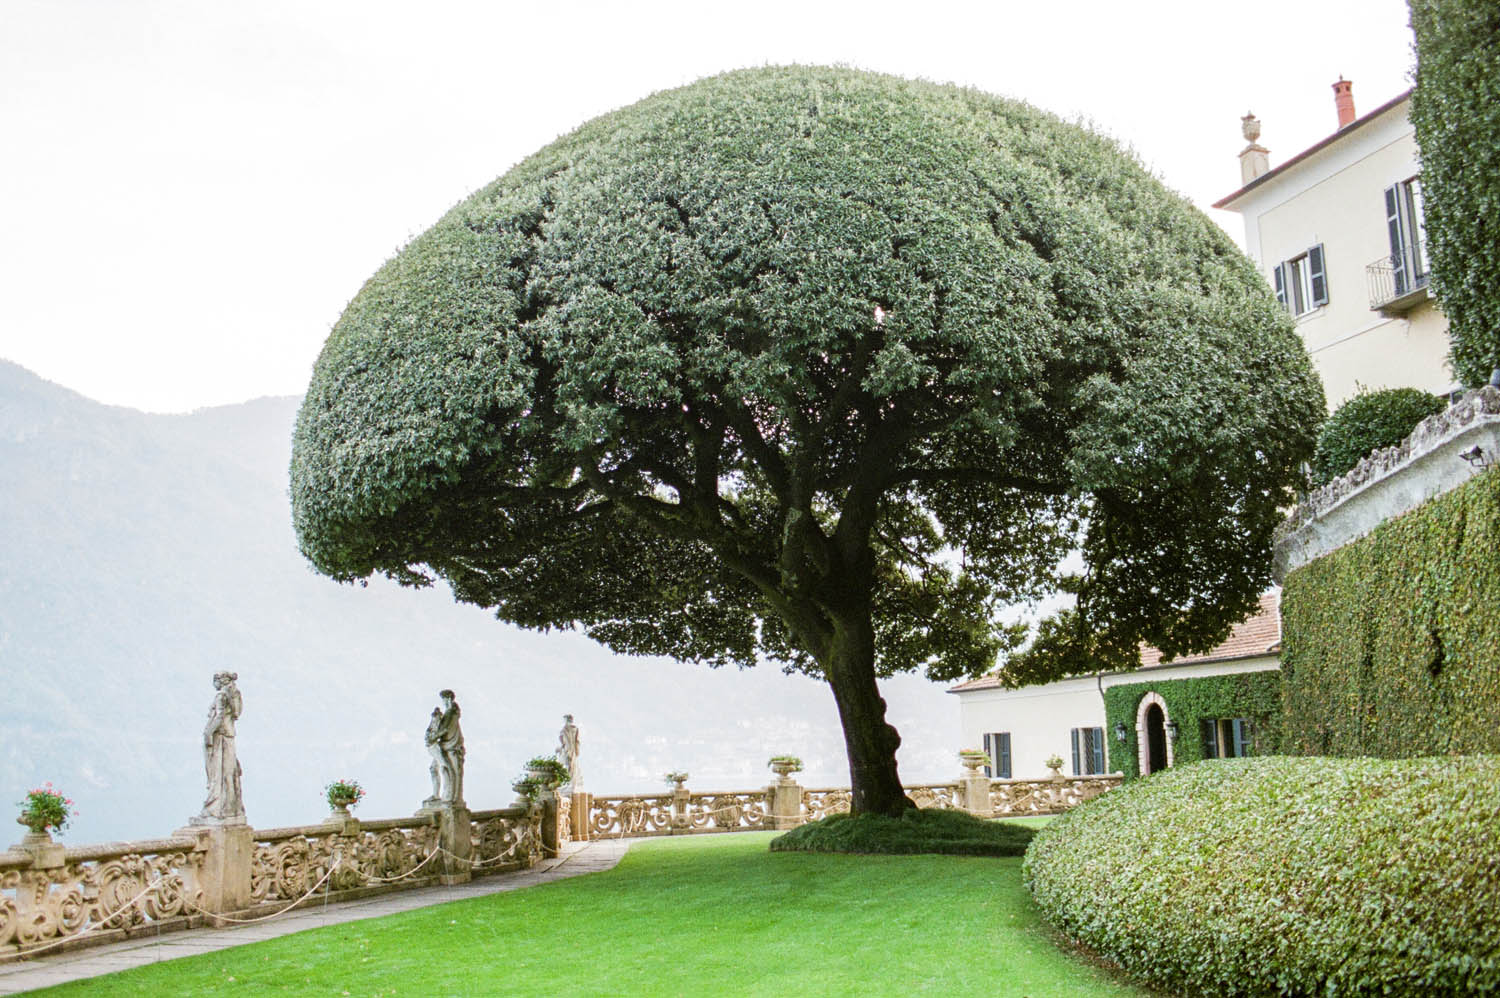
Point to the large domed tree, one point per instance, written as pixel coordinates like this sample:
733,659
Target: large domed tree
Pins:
820,367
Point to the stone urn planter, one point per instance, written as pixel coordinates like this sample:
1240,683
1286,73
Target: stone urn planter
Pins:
784,766
1055,764
973,762
36,835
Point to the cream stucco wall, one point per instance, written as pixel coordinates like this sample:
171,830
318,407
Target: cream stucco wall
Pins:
1336,197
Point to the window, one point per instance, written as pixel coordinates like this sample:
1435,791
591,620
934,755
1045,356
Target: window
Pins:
1226,737
997,744
1302,282
1408,236
1088,751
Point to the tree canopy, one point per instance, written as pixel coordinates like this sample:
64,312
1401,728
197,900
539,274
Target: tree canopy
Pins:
822,367
1455,111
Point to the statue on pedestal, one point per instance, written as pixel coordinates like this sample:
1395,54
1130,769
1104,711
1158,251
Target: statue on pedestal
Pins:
223,803
445,742
567,751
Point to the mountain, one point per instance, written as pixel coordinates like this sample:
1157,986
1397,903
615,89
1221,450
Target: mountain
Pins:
142,553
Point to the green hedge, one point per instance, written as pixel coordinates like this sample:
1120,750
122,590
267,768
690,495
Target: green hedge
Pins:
1286,876
1368,421
1254,695
1391,645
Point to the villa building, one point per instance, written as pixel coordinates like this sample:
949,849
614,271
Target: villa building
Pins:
1337,232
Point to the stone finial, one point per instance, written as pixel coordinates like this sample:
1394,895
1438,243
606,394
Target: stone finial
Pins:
1250,126
1255,159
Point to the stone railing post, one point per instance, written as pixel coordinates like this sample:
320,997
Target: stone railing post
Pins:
455,837
224,876
785,800
681,795
581,803
975,788
551,825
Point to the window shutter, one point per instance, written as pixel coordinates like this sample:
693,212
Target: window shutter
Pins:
1316,277
989,750
1393,230
1075,751
1280,277
1005,755
1098,753
1210,731
1242,741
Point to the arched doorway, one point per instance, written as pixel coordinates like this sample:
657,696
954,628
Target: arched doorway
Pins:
1156,739
1153,746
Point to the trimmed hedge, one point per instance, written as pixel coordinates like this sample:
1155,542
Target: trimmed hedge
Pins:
1368,421
949,833
1286,876
1253,695
1455,111
1391,645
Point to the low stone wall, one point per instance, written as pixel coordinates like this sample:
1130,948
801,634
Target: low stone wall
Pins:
785,804
56,898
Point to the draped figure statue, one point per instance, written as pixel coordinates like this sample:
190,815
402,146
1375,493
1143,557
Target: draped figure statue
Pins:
445,743
221,763
567,751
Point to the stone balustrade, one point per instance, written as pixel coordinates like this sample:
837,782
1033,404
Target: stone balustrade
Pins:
54,897
785,804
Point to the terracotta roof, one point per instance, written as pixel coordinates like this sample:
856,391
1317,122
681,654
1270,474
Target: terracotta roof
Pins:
1258,635
1225,201
1255,636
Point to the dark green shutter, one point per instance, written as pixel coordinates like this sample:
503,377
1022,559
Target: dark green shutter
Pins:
1316,277
1398,243
1075,752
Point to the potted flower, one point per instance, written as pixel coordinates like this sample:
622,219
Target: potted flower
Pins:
342,795
784,766
43,810
548,771
1054,762
973,759
677,779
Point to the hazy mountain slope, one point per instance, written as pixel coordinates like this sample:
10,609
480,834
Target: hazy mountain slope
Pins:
141,553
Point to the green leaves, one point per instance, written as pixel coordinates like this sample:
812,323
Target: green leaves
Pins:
1455,111
789,344
1286,876
1391,644
1367,422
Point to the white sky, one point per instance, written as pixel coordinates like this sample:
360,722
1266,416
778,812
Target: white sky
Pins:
190,192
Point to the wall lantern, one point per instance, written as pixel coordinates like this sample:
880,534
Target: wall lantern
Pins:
1119,731
1172,730
1475,456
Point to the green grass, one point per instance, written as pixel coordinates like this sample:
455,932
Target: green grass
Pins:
949,833
705,915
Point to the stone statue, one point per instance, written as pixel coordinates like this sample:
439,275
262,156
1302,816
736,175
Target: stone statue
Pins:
445,742
221,762
567,751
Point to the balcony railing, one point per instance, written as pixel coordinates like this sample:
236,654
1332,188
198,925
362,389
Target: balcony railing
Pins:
1393,292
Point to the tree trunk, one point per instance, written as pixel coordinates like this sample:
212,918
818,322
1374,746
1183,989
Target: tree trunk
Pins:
871,743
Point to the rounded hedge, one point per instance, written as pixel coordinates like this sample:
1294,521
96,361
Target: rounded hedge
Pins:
917,830
1287,876
1367,422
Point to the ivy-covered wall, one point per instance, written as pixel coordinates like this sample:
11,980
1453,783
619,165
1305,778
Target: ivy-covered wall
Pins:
1391,644
1254,695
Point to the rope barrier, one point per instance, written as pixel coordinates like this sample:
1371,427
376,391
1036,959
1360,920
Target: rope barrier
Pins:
97,926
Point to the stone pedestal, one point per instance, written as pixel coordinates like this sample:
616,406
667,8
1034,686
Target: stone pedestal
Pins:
456,839
784,798
45,854
975,788
228,855
551,826
581,803
346,823
681,796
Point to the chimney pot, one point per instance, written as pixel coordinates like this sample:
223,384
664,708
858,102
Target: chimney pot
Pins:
1343,101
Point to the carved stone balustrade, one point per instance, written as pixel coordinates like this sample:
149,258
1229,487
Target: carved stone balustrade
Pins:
1015,798
110,892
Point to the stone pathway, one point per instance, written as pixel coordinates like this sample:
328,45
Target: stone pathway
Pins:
45,971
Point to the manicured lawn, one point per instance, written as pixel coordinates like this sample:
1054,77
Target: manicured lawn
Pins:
704,915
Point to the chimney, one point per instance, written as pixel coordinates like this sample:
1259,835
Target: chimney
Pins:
1254,158
1343,100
